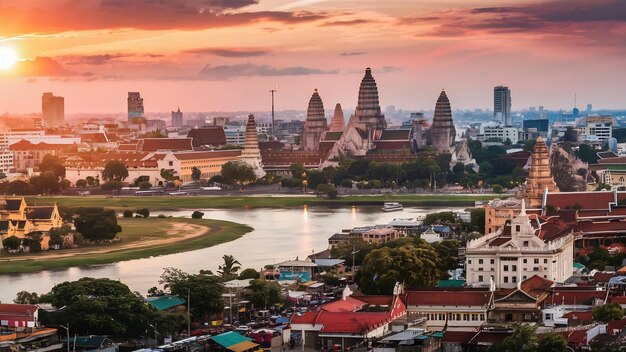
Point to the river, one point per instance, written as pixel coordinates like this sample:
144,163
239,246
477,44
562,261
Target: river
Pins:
279,234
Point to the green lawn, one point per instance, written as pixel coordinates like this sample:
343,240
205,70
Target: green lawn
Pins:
197,202
133,230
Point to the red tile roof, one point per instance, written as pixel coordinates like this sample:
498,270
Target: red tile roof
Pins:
173,144
448,298
207,136
17,314
580,318
97,137
535,285
25,145
235,153
614,325
586,200
574,297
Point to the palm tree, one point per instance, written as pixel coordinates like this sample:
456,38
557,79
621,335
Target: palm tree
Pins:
230,267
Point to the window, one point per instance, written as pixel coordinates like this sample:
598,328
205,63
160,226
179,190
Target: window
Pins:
506,268
525,245
548,316
525,261
482,316
474,317
514,279
458,317
171,163
545,261
506,279
469,261
480,278
493,261
480,261
466,317
442,316
535,268
536,261
524,277
517,228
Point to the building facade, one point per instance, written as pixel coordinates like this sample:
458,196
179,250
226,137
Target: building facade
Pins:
502,105
52,110
177,118
135,108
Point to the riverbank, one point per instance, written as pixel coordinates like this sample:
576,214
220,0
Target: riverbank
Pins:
227,202
140,238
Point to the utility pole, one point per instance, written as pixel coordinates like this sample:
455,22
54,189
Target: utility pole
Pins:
273,127
188,314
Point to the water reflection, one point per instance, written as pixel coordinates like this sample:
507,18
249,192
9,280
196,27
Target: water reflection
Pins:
279,234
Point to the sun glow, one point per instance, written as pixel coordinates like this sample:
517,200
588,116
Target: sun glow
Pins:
8,58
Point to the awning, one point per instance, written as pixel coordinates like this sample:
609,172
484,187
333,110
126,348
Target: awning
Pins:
242,346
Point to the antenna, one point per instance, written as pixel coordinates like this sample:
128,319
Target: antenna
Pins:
273,126
575,100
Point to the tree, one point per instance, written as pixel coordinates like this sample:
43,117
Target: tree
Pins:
114,170
412,265
229,269
444,217
608,312
197,215
477,219
145,185
97,224
81,183
264,293
53,164
523,339
91,181
587,154
196,174
216,179
168,174
57,235
237,172
47,182
25,297
20,187
12,242
143,212
32,240
552,342
249,273
97,306
205,290
345,251
128,213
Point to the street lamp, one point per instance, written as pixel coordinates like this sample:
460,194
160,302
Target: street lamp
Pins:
67,329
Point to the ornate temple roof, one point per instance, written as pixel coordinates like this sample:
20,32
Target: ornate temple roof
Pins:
337,123
368,107
442,131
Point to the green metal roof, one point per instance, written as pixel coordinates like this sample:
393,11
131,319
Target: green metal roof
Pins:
451,283
229,338
578,266
165,302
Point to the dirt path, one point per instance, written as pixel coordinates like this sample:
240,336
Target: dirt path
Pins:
179,231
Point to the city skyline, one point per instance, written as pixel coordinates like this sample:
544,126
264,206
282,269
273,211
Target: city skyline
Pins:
208,56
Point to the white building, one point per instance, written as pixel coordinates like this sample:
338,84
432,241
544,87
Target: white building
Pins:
596,128
514,253
6,161
502,133
8,134
235,135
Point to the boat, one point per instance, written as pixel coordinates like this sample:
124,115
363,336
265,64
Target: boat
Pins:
392,206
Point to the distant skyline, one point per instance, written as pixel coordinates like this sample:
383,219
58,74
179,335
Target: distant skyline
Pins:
216,55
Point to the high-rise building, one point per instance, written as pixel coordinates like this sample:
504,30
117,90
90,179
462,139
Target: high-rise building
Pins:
502,104
315,124
135,108
589,107
52,110
177,118
442,131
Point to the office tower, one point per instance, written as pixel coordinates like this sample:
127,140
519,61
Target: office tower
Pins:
502,105
177,118
135,108
589,107
52,110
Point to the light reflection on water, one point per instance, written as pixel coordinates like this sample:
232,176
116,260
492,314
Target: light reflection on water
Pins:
279,234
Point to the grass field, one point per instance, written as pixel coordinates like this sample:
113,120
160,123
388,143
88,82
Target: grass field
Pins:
196,202
133,231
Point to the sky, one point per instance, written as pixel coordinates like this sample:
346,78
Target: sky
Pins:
226,55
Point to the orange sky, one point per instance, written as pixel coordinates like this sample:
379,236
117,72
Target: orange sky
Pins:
205,55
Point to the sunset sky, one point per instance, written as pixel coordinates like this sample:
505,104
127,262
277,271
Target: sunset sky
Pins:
207,55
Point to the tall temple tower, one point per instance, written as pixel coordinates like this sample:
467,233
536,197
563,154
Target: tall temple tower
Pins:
251,153
337,123
315,124
539,176
367,112
442,131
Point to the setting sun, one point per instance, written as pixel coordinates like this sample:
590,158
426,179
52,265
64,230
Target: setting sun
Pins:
8,58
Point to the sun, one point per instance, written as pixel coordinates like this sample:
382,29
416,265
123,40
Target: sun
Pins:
8,58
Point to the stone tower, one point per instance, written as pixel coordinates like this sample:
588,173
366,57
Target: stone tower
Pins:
442,131
251,154
539,176
315,124
337,123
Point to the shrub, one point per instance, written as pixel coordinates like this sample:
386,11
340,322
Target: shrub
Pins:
128,213
161,216
144,212
81,183
112,185
197,215
497,189
145,185
12,242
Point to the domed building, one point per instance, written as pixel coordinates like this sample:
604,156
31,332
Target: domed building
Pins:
442,131
314,125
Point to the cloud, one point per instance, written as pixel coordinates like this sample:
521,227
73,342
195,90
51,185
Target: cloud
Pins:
354,22
353,53
40,67
228,52
93,59
224,72
57,16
